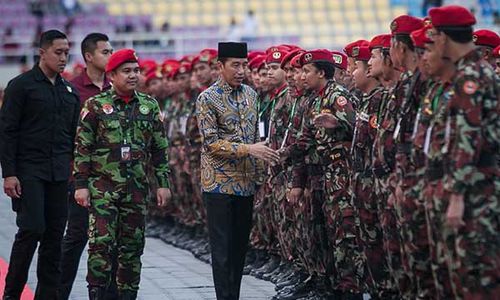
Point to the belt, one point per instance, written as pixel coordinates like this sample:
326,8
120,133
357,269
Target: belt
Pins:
435,171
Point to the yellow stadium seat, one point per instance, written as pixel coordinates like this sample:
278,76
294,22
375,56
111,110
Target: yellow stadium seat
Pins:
352,16
288,18
367,15
356,27
366,5
223,7
335,16
272,5
303,17
319,17
302,6
287,6
115,9
240,7
176,20
158,20
131,8
192,20
340,28
147,8
350,5
192,7
176,8
325,41
318,5
209,19
342,40
161,8
399,10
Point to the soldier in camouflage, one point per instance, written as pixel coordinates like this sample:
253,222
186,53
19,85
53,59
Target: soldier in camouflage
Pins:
119,129
472,141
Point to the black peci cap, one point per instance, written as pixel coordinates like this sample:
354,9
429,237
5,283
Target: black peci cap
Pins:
232,50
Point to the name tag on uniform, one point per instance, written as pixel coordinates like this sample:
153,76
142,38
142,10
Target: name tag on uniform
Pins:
125,154
262,129
396,131
427,142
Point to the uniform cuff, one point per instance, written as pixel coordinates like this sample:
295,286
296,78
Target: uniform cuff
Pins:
163,183
81,184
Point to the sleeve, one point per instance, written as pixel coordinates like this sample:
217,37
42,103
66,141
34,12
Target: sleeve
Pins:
159,150
207,123
84,144
466,108
299,150
76,116
10,119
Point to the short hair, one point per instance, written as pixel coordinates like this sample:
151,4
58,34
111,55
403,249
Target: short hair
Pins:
89,43
327,67
405,39
48,37
462,35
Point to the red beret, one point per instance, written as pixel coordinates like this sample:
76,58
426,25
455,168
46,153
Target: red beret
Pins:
272,49
340,60
168,65
485,37
254,54
348,48
208,56
380,41
318,55
276,56
496,52
420,37
257,62
296,61
146,65
451,16
290,55
120,57
361,53
187,58
152,75
405,24
184,68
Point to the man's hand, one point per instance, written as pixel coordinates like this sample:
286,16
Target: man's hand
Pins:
261,151
325,120
163,196
82,197
12,187
455,211
295,195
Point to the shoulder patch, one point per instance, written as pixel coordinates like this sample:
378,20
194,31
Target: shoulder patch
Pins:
470,87
373,122
341,101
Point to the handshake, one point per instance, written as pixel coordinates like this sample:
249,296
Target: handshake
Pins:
262,151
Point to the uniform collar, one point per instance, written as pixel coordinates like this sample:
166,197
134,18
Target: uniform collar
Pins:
117,97
40,76
87,81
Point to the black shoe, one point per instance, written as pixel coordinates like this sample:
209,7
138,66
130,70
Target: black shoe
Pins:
270,266
96,293
127,295
299,291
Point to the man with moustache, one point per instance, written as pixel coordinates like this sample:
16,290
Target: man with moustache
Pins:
119,129
37,128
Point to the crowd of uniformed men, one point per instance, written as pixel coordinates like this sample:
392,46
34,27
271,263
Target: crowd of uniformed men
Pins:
388,180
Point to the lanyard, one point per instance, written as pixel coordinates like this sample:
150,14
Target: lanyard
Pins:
261,112
435,100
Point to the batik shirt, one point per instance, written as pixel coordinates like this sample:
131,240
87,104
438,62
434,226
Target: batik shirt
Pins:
228,121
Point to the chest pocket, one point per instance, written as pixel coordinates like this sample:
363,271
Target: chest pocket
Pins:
109,130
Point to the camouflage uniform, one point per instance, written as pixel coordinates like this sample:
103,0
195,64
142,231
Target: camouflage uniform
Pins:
308,174
383,153
378,280
430,138
342,226
277,177
118,189
263,235
474,110
409,210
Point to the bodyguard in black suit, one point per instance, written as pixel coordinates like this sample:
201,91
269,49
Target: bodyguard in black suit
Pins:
37,128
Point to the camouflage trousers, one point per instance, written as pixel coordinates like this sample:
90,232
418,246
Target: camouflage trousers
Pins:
263,235
475,258
415,254
282,216
378,280
197,208
116,221
342,227
441,239
391,233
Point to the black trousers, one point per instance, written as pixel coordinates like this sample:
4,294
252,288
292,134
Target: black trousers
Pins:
229,223
73,244
41,218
